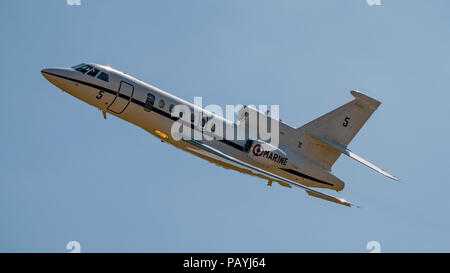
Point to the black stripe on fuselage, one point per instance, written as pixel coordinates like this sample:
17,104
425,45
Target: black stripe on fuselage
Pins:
232,144
305,176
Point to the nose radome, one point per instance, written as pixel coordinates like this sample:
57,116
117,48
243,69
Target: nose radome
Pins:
49,73
54,72
45,72
52,75
60,77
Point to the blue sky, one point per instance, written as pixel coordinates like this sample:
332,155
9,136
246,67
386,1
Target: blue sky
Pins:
67,174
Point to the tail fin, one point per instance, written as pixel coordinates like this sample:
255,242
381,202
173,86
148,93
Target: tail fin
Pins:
338,126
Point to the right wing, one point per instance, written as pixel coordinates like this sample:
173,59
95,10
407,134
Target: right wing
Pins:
218,155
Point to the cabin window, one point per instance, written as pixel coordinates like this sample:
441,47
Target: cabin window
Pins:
248,145
180,114
204,122
161,103
213,128
171,108
103,76
192,117
149,102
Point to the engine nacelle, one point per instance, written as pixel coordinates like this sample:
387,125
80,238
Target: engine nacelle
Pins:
265,153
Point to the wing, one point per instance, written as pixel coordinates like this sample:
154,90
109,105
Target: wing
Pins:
235,162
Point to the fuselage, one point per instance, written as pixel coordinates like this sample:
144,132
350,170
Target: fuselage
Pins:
155,110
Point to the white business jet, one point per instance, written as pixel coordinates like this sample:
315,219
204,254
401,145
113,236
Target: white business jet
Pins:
303,158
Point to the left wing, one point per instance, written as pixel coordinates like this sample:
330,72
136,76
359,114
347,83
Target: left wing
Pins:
235,162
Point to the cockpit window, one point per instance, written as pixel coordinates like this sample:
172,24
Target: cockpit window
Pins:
79,65
83,69
93,72
103,76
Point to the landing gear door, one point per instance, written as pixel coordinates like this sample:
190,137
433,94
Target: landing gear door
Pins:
122,99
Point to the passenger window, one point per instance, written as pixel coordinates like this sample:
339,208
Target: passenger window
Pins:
248,145
93,72
149,102
180,114
103,76
161,103
171,108
192,117
204,122
213,128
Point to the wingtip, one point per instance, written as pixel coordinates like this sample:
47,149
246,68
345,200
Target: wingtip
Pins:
398,180
351,205
395,178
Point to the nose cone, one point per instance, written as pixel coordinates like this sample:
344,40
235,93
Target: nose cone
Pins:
60,77
45,70
50,73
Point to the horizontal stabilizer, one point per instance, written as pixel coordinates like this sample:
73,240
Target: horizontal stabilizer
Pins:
350,154
339,126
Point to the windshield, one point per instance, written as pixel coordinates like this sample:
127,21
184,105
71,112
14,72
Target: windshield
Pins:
83,68
91,71
80,65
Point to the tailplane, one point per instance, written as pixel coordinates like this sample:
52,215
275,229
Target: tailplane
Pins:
326,138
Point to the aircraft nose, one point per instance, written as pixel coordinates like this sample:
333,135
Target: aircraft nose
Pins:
55,72
61,77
